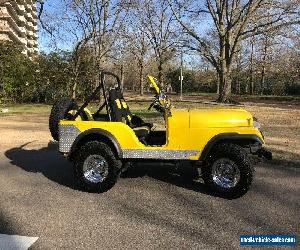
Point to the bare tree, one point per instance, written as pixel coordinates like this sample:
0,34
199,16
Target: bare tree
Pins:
77,59
234,21
160,29
251,63
265,49
94,27
138,42
139,47
238,71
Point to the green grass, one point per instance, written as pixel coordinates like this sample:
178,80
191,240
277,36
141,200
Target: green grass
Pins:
146,114
200,94
27,109
140,109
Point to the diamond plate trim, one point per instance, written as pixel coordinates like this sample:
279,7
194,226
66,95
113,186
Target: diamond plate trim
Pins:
67,136
159,154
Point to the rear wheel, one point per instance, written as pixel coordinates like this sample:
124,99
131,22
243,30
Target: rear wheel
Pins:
228,170
96,167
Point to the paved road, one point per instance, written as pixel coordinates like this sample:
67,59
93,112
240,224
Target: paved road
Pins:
150,209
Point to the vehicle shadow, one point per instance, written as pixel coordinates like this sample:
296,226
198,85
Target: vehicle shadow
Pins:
6,226
183,175
186,177
56,168
46,161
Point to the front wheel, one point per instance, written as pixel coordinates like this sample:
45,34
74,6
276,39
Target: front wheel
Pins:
96,167
228,170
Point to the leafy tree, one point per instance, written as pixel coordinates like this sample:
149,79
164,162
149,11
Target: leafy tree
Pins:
17,73
54,75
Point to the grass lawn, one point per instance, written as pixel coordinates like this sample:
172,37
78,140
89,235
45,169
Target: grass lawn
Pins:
44,109
27,109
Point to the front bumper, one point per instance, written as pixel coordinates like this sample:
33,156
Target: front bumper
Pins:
260,151
263,152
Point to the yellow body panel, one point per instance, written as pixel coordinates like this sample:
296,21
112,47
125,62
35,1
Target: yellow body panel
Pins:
122,132
186,129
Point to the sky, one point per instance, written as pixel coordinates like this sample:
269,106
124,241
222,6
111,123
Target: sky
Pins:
43,38
53,8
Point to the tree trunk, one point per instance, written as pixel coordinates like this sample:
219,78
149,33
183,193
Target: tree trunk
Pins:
238,87
251,67
141,78
251,82
224,72
160,73
238,72
225,84
74,90
225,91
74,87
263,79
218,82
263,71
122,77
77,59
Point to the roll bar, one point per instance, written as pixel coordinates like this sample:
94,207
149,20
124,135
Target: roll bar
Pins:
96,91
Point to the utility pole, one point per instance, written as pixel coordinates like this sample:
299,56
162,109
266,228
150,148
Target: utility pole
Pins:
122,76
181,75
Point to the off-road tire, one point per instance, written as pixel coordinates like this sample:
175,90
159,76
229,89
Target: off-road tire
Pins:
59,111
114,166
240,157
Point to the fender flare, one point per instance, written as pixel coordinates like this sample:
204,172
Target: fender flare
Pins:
97,133
229,137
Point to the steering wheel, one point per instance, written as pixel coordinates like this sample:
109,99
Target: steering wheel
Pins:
161,102
157,105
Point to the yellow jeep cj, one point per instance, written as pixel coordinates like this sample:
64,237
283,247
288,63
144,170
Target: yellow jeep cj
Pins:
217,141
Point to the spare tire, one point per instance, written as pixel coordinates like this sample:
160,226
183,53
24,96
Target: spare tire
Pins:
60,111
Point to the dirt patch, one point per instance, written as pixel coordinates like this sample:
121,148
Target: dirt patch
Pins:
17,130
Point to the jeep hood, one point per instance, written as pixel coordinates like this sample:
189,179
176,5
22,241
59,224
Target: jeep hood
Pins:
220,118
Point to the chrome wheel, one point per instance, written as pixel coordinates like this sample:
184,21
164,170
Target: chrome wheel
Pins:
95,169
225,173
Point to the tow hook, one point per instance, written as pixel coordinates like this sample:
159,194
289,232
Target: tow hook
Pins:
263,152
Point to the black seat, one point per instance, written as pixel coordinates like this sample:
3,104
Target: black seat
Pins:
120,113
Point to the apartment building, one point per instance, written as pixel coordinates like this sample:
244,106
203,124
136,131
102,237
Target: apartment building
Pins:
18,23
